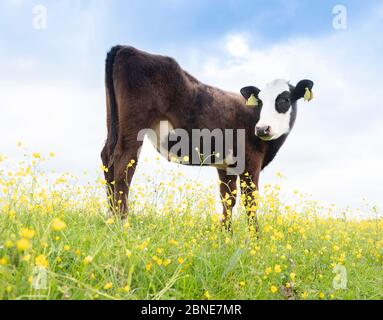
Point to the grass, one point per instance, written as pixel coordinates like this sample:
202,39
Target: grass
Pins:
172,247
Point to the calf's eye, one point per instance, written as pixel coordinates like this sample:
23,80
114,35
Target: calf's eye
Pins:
283,105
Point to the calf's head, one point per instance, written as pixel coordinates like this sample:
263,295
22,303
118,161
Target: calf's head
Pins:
277,106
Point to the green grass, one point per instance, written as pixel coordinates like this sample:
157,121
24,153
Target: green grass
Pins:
174,248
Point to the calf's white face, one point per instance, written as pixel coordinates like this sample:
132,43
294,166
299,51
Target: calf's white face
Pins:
274,122
276,104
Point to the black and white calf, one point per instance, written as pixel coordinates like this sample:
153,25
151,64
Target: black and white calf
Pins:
144,90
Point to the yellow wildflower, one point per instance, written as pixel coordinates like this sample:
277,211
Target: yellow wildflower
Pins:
4,261
26,258
185,159
304,295
58,224
88,259
109,221
41,261
108,286
23,244
27,233
268,270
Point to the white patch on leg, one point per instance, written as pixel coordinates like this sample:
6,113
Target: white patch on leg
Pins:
162,129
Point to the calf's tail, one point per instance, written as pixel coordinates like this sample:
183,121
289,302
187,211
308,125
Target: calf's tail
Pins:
113,110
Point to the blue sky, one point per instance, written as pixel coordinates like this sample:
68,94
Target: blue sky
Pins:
76,26
52,81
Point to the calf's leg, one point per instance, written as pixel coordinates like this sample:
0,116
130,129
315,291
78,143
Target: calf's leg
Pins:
109,175
125,162
249,191
228,189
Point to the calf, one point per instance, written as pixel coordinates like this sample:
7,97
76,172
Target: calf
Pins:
152,93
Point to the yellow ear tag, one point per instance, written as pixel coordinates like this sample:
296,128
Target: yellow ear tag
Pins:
252,101
308,95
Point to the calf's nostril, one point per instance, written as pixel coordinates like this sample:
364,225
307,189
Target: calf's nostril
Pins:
263,131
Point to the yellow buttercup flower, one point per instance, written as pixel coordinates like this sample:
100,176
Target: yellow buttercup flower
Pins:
27,233
41,261
110,220
23,244
159,262
26,258
88,259
4,261
108,286
304,295
273,289
58,224
268,271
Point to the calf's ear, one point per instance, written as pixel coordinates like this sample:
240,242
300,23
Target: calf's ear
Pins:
304,89
251,95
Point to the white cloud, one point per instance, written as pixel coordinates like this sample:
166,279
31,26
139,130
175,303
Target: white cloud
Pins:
237,46
54,118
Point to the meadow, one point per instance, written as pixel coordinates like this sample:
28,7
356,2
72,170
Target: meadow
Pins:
58,241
